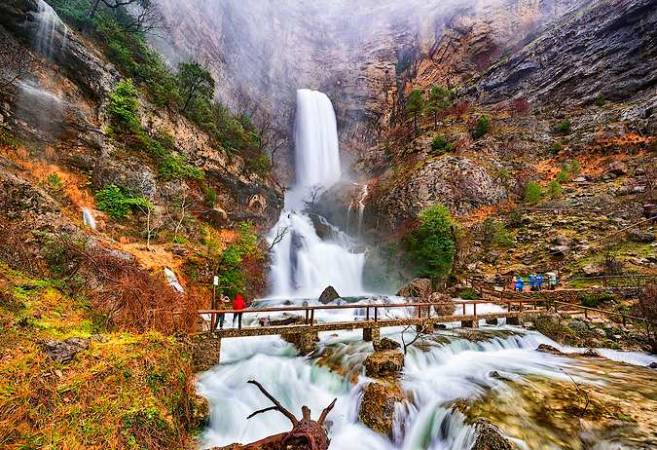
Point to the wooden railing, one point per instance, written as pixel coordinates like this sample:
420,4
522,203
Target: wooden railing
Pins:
371,311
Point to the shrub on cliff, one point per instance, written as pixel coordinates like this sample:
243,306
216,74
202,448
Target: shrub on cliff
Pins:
482,127
432,245
441,145
533,193
415,106
123,107
563,127
117,203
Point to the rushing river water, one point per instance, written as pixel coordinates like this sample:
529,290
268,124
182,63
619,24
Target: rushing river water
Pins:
446,368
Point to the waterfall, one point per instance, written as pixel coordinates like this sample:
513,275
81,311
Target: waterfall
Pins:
303,263
88,218
51,31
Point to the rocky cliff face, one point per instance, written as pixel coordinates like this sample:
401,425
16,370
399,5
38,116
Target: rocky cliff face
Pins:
365,56
57,150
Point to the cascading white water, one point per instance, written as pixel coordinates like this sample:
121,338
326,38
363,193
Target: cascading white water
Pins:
303,263
51,33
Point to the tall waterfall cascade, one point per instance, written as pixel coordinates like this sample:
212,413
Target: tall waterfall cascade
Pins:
51,34
303,263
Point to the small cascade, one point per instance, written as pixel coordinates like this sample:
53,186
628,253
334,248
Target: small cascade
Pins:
358,203
172,279
88,218
51,33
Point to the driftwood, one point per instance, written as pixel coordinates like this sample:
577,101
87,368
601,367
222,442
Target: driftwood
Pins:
306,434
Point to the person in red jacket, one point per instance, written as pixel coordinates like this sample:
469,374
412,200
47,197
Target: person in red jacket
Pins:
238,305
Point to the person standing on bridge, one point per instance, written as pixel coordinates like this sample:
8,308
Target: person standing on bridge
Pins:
238,305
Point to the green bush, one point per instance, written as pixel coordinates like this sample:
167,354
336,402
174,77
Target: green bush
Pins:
569,170
210,196
600,100
469,294
55,182
441,145
117,203
533,193
260,165
556,148
482,127
123,107
432,245
595,299
496,234
563,127
231,271
554,190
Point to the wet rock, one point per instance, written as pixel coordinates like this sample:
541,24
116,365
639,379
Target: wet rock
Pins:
328,295
64,351
545,348
489,437
386,344
591,353
384,364
304,342
498,376
642,237
377,408
419,287
653,365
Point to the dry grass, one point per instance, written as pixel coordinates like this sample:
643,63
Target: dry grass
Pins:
124,391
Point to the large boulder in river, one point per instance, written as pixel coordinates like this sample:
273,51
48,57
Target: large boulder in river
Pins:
419,287
443,304
489,437
385,364
377,407
329,295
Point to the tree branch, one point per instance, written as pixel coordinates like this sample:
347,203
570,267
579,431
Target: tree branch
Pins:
277,404
326,411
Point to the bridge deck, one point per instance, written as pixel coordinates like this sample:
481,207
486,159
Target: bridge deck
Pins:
363,324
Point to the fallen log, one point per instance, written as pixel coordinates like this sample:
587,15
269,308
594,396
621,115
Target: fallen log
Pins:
306,434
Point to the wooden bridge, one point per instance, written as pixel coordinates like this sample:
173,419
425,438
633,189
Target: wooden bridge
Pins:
301,326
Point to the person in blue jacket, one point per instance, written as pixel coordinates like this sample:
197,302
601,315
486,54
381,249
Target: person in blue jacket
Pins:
520,284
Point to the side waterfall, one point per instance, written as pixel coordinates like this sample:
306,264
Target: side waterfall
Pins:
303,263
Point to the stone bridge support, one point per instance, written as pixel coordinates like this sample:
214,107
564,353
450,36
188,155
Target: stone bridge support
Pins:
371,334
205,350
469,324
305,342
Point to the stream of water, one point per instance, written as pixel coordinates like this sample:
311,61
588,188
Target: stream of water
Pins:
446,368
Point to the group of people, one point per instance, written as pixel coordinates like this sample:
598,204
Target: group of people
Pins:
535,281
238,304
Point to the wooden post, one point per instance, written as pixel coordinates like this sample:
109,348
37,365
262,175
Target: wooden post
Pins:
312,317
376,313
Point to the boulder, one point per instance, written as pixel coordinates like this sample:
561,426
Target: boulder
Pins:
386,344
653,365
592,270
617,168
545,348
216,216
64,351
377,407
445,305
384,364
642,237
561,246
329,295
419,287
489,437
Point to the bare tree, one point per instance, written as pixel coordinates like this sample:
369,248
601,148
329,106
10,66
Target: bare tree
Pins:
143,15
281,232
183,211
647,308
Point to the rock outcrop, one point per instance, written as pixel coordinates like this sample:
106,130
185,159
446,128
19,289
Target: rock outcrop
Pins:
328,295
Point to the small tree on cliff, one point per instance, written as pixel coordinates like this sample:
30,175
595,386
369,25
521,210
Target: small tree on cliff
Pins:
415,106
439,100
647,308
432,245
195,82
